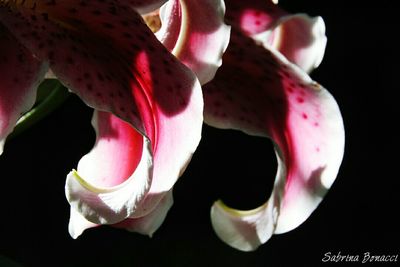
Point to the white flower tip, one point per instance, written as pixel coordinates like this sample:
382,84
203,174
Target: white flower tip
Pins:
78,224
74,232
318,30
300,38
243,230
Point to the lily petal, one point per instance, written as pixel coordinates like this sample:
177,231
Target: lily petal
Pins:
261,93
78,224
144,225
113,47
300,38
115,176
253,17
108,56
195,32
149,223
95,72
244,230
21,73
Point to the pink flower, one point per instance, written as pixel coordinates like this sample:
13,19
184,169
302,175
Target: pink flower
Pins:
263,89
148,105
146,91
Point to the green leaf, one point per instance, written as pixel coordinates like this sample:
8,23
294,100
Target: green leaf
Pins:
51,94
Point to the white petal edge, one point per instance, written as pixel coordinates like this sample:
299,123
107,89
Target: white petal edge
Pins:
246,230
150,223
300,27
77,224
203,62
145,225
110,205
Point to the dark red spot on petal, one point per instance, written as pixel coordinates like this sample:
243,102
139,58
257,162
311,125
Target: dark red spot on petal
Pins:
300,100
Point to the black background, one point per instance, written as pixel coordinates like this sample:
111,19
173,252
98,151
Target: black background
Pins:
358,215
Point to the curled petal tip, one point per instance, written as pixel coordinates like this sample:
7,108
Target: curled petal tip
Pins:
300,38
78,224
259,92
244,230
195,32
100,194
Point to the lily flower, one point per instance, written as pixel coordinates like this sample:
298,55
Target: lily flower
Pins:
148,105
299,37
263,89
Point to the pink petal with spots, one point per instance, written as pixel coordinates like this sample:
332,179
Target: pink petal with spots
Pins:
20,76
261,93
105,53
97,51
300,38
253,17
196,34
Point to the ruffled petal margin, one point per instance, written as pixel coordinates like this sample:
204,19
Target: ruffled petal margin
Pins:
146,225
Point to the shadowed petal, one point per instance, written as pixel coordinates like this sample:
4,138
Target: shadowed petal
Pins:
144,225
21,73
195,32
106,54
259,92
149,223
110,58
